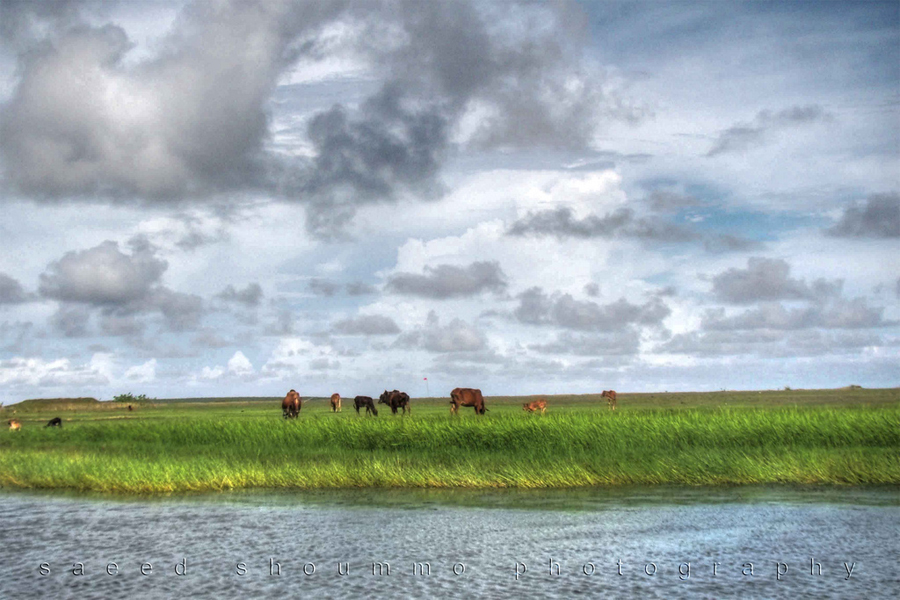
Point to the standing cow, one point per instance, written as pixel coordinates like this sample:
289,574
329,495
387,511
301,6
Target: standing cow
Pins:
290,406
15,425
367,403
610,396
467,397
335,403
395,400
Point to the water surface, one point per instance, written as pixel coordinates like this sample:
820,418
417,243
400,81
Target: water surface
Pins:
666,542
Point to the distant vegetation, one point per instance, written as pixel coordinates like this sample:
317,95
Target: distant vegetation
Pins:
130,398
693,440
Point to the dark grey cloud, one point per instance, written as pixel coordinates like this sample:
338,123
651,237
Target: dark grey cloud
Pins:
358,288
625,342
769,343
668,201
835,313
592,289
726,242
198,118
249,296
193,120
182,312
456,336
367,325
769,279
562,310
622,223
71,320
744,136
449,281
11,291
323,287
878,217
324,364
128,325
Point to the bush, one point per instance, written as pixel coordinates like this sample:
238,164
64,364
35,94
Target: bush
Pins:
131,398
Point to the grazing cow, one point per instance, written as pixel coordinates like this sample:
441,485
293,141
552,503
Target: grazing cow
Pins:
335,403
540,405
290,406
467,397
368,403
14,425
395,400
54,422
610,396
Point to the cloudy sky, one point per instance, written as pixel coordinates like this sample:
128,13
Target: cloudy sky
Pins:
235,198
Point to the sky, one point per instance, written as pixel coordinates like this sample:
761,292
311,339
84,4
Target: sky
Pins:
216,198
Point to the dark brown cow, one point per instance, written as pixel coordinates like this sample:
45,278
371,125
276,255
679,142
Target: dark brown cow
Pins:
610,396
130,408
335,403
290,406
540,405
54,422
395,400
364,401
14,425
467,397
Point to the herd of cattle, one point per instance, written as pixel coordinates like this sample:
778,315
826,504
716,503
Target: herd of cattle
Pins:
396,400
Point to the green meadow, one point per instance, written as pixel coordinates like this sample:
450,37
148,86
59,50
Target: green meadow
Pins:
846,436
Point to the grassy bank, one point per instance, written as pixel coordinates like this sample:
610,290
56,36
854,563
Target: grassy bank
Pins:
176,448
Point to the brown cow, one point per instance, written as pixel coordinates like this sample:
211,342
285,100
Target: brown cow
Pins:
466,397
610,396
540,405
367,402
15,425
335,403
290,406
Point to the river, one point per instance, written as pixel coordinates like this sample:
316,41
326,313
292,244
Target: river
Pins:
647,542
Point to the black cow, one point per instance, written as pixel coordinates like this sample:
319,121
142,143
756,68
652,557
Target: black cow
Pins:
368,403
54,422
395,400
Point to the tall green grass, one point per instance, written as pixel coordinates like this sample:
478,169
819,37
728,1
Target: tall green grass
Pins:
687,446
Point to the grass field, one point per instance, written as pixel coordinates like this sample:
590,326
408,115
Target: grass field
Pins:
847,436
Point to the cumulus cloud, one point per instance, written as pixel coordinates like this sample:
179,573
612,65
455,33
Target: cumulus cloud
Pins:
40,373
744,136
769,279
562,310
103,275
878,217
11,291
249,296
449,281
367,325
192,120
119,284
